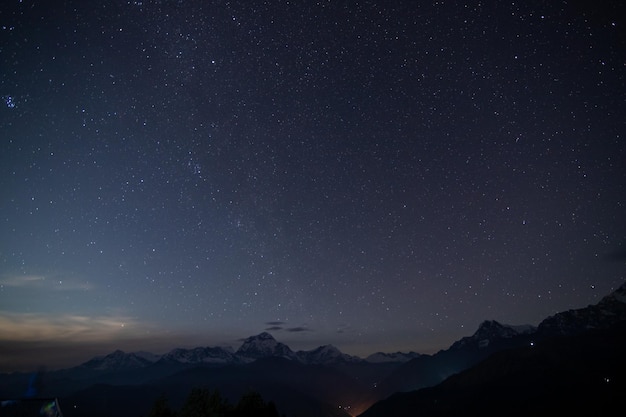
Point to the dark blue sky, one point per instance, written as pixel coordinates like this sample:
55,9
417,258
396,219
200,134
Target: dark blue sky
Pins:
375,175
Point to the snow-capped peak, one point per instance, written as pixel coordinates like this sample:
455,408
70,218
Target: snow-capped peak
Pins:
324,355
609,311
206,355
117,361
490,330
619,295
264,345
149,356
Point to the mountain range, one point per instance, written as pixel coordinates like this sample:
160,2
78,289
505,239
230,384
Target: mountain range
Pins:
572,364
326,382
260,346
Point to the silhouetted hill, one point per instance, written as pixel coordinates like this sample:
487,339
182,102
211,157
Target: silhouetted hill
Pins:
429,370
491,337
296,389
579,375
606,313
264,346
320,382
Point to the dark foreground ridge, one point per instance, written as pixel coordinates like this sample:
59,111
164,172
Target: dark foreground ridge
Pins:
581,375
573,364
516,369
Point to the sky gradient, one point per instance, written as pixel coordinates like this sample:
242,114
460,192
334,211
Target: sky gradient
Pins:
380,176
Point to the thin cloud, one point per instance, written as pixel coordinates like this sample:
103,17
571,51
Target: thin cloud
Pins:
274,326
298,329
58,353
22,280
274,323
343,328
44,282
40,327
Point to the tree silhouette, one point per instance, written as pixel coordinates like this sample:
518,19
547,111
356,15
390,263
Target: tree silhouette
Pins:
252,405
161,408
203,403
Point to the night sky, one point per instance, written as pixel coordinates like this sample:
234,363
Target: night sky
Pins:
379,176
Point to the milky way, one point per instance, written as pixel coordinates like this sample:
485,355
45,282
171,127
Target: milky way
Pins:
380,176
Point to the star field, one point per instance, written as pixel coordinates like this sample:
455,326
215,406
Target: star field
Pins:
375,175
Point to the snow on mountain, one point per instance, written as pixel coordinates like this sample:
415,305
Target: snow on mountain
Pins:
255,347
201,355
619,295
609,311
149,356
523,328
116,361
490,336
401,357
324,355
263,346
490,330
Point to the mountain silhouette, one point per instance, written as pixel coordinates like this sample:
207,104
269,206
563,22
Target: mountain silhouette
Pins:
325,381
